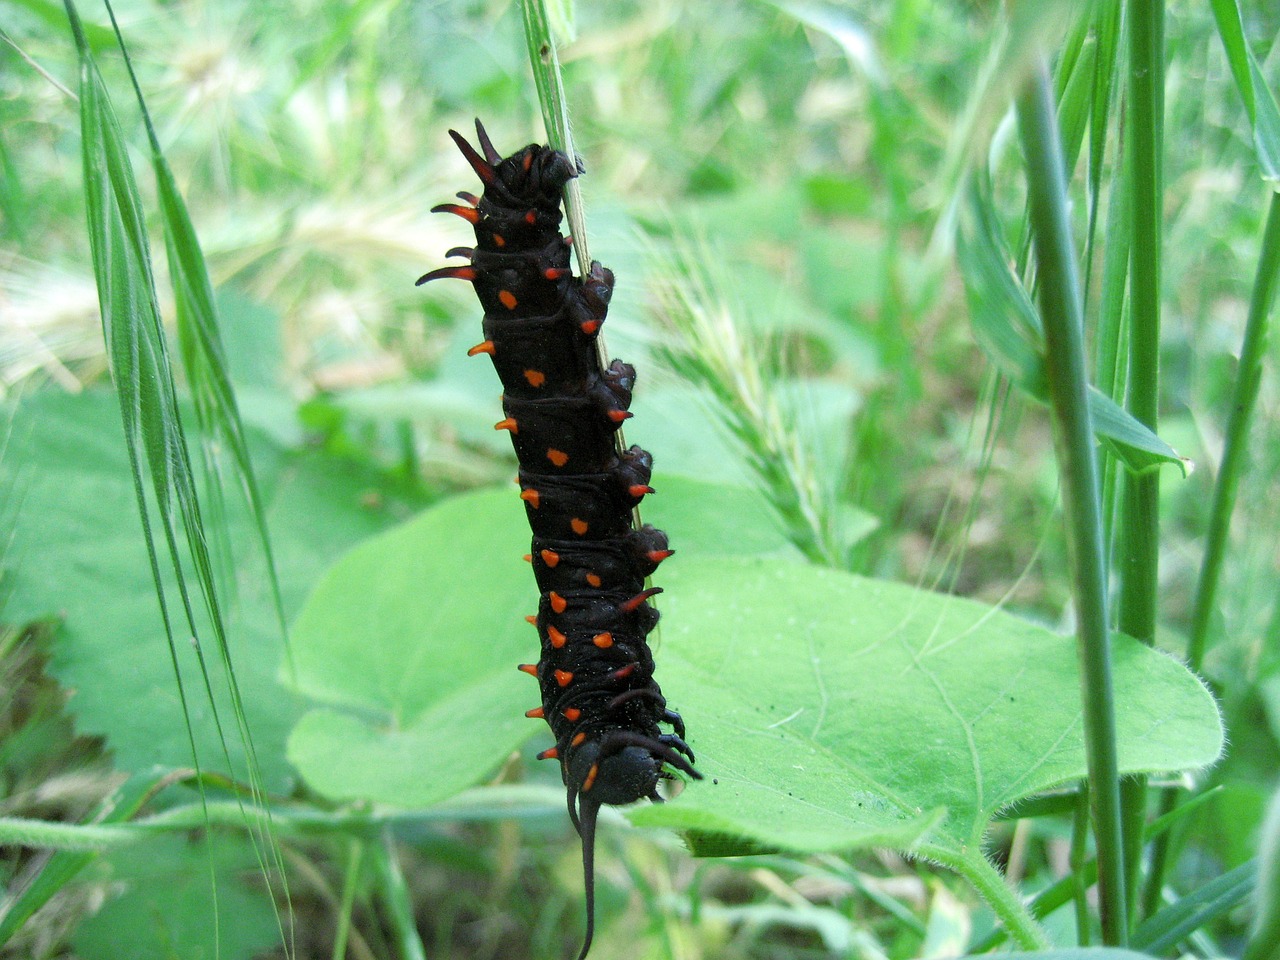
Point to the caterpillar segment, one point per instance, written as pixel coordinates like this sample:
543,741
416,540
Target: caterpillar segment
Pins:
562,409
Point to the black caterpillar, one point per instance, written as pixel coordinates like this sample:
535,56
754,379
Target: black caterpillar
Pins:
580,489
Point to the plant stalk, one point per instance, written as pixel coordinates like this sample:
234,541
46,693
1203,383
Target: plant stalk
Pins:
1061,313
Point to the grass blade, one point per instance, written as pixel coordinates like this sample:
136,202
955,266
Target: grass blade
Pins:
1178,921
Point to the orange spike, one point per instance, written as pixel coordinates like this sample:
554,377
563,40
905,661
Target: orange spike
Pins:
508,424
638,599
571,714
485,347
603,640
593,579
508,299
537,713
617,416
532,618
558,603
580,527
551,753
550,557
590,780
532,497
657,556
536,378
637,490
557,638
564,677
451,273
530,668
589,326
527,558
623,672
470,214
558,457
577,741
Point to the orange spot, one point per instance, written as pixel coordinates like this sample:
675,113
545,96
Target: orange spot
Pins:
558,603
508,424
572,714
530,668
589,326
558,457
623,672
499,240
579,526
589,782
564,677
550,557
536,713
577,741
617,416
507,298
531,217
536,378
657,556
532,497
603,640
555,636
486,347
532,618
528,162
593,579
636,490
553,273
551,753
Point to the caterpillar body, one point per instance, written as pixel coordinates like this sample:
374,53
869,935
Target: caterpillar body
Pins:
563,407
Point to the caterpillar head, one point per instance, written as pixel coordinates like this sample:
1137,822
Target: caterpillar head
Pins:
596,777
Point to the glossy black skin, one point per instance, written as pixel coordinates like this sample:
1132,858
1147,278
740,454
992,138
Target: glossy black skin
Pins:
601,701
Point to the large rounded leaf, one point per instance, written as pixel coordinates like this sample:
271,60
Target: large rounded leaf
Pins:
73,547
411,643
413,639
830,711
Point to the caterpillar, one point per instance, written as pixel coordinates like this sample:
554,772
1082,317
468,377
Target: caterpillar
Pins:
563,408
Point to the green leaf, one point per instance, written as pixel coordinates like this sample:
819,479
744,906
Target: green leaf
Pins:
1132,441
1007,326
1179,920
76,550
161,907
412,639
831,712
1259,101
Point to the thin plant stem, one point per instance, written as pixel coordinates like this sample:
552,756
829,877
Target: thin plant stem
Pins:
1244,397
998,894
1139,527
394,892
1068,396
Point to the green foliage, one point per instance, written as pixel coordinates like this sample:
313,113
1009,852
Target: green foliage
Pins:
166,903
786,709
815,154
65,462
